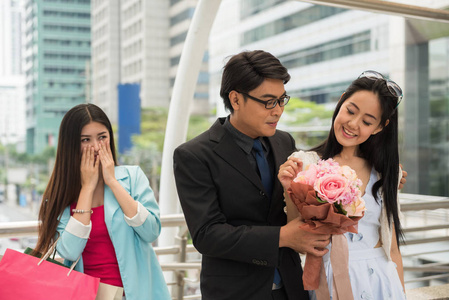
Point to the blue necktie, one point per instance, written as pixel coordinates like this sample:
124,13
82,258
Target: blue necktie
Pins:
264,168
267,181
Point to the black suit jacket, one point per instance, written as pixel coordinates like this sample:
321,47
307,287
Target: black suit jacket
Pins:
231,220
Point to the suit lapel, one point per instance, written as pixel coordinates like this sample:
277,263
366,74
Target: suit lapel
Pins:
230,152
279,156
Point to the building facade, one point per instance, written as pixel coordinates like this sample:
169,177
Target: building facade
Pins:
57,55
12,110
11,37
180,15
105,26
144,48
12,95
141,42
129,45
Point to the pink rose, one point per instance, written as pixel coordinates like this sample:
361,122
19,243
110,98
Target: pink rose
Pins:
301,178
308,176
331,187
356,208
348,173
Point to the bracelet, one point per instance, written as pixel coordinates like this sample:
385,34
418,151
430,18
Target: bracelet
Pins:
82,211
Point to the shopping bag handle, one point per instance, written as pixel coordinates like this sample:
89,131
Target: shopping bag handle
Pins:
52,248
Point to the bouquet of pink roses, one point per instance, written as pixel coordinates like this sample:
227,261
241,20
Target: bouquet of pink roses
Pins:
328,196
335,184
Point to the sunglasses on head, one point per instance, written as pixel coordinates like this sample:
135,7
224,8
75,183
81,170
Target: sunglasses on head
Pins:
392,86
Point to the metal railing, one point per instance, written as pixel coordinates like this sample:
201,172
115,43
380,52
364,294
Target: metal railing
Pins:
426,230
179,249
413,206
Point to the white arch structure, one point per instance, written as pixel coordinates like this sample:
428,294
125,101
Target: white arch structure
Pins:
189,67
180,104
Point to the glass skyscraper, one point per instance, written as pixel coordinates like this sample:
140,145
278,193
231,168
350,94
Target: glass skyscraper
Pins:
57,55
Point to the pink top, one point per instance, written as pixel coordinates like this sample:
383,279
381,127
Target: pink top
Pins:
99,255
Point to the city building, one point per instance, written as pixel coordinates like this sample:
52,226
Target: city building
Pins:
144,48
129,45
181,13
12,95
105,26
57,58
141,42
12,110
10,37
325,48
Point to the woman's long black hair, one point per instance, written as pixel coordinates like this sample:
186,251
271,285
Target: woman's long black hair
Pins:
380,150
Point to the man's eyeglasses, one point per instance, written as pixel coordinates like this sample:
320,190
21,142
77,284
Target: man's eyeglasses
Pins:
392,86
270,104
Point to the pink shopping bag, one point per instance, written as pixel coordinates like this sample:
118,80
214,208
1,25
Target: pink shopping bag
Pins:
22,278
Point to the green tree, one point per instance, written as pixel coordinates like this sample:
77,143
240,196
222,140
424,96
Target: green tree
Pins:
148,146
43,157
307,121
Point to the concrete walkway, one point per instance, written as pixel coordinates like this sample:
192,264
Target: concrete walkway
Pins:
439,292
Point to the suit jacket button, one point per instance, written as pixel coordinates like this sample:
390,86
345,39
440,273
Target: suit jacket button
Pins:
261,193
254,261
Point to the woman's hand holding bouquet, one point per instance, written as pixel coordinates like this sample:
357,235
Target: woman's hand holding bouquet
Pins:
328,197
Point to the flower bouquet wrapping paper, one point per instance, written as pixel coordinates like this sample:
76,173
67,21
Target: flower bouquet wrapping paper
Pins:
328,197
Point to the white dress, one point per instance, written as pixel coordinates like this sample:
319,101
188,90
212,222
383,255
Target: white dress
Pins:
372,275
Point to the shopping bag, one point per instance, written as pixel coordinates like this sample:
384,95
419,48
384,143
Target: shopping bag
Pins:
109,292
26,277
29,251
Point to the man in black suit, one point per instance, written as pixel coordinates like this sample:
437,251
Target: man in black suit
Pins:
234,214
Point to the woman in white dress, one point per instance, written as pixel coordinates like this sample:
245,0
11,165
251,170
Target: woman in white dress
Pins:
364,136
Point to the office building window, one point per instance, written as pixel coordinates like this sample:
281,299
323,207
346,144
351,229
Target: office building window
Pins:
203,78
301,18
252,7
174,61
350,45
329,93
201,96
180,38
184,15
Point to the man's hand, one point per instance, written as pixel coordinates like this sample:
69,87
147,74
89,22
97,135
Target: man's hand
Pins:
302,241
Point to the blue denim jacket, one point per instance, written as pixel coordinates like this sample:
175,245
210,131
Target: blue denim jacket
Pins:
141,273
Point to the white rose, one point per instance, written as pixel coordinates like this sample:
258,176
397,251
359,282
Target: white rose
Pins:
307,158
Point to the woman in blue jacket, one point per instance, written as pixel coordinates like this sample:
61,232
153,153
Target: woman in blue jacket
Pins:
102,213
